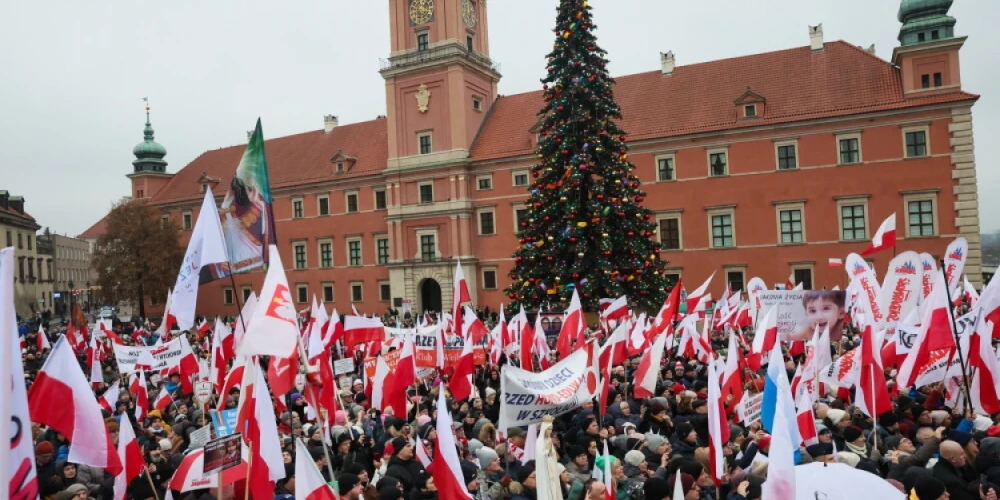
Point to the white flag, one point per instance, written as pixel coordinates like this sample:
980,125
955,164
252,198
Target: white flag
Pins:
207,246
274,330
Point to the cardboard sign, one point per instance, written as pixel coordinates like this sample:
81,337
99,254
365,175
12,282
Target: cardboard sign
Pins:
342,366
200,437
748,410
224,422
203,392
222,453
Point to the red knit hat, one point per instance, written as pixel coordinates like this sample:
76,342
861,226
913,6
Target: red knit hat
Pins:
43,448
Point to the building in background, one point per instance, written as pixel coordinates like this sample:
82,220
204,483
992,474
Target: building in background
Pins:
72,272
33,272
759,165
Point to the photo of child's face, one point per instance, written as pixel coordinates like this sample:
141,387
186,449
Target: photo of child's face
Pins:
823,313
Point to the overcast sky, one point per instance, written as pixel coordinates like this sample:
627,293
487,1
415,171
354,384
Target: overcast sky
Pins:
73,74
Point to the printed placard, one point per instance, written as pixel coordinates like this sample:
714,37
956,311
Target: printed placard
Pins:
222,453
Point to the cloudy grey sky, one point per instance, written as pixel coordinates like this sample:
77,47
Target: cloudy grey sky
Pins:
74,73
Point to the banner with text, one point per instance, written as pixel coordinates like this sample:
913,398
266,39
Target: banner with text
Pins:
164,356
527,396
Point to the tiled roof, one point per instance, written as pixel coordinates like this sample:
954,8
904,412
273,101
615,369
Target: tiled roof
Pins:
95,231
15,213
291,160
798,84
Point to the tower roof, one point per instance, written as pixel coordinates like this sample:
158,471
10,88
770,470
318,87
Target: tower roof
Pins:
925,20
149,153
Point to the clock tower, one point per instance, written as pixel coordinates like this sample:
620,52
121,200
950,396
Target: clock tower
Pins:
439,80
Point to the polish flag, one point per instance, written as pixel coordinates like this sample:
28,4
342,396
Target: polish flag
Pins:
62,399
446,468
971,295
109,399
358,330
885,237
75,337
420,450
984,381
796,379
572,328
189,474
309,482
527,346
203,328
460,296
390,387
689,337
742,317
649,369
130,455
541,346
935,339
718,426
495,346
320,373
613,350
836,262
806,420
989,302
138,388
19,478
637,341
274,330
42,340
243,321
616,310
217,371
872,394
93,351
104,327
461,386
163,400
354,311
169,320
257,421
334,330
732,376
664,321
764,339
473,327
233,378
698,299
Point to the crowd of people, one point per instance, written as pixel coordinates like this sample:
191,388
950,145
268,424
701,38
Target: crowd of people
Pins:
922,447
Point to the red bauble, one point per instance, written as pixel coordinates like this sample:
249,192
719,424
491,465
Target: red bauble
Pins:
576,276
638,199
524,224
645,216
512,295
607,252
549,258
572,240
538,204
631,234
621,214
600,196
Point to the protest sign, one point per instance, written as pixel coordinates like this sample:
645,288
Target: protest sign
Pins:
342,366
222,453
796,319
224,422
164,356
203,392
200,437
527,396
748,409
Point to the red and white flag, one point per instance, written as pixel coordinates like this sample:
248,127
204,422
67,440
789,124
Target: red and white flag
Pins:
732,375
207,246
460,295
274,330
138,389
217,371
971,295
42,340
935,343
885,237
718,426
461,385
390,387
109,399
649,369
203,329
190,473
765,339
790,282
446,469
256,418
243,321
17,456
62,399
163,400
334,331
358,330
309,482
130,456
806,419
169,320
872,394
698,299
989,302
986,369
637,341
227,339
616,310
473,328
572,328
664,321
233,379
836,262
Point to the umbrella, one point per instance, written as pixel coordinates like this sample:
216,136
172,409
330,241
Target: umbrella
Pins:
836,481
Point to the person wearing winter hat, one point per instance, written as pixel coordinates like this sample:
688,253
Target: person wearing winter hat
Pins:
688,486
579,463
654,446
470,476
490,475
685,441
349,486
428,432
821,452
657,488
525,488
402,464
928,488
72,492
903,454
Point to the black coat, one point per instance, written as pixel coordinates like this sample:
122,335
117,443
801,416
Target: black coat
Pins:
404,470
956,481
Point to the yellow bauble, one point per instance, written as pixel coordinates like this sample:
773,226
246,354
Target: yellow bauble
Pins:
581,224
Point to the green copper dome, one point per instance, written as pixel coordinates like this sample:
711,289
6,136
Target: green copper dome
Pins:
925,21
149,153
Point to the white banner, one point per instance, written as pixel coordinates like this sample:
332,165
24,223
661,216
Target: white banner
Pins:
748,409
900,291
164,356
527,396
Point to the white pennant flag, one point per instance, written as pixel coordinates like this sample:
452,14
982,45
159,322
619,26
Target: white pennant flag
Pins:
207,246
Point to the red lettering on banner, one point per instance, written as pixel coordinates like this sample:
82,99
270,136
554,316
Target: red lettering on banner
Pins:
948,271
872,299
899,295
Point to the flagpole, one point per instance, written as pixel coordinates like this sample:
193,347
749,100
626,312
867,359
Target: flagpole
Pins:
958,343
153,486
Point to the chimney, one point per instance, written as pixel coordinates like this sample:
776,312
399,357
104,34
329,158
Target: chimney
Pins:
249,135
816,37
330,122
871,49
16,203
667,63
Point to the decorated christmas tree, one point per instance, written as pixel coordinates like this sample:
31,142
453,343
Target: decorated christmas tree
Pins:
586,228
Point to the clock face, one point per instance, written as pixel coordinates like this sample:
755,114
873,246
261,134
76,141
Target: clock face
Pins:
421,11
469,12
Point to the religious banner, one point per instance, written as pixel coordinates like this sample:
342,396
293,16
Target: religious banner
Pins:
247,218
164,356
528,396
800,312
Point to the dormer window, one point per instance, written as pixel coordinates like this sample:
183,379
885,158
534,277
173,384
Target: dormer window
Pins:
750,105
343,163
340,167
